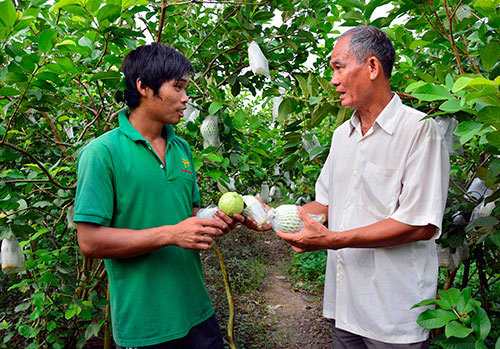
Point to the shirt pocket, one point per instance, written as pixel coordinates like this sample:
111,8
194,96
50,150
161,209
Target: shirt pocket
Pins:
378,190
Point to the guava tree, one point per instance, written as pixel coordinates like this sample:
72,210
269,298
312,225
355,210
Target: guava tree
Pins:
60,87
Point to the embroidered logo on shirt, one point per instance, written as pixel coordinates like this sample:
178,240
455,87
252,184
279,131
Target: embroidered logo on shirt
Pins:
186,165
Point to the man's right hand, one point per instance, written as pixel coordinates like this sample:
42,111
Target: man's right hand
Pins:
197,233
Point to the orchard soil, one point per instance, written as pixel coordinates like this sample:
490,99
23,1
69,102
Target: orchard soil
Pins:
271,311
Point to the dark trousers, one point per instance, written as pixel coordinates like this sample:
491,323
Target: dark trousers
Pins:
347,340
206,335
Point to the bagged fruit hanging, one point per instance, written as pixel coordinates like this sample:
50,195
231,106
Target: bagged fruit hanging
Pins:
12,256
210,131
258,62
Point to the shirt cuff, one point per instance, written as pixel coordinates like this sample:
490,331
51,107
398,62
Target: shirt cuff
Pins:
85,218
420,221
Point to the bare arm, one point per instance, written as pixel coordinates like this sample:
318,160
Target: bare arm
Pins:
385,233
97,241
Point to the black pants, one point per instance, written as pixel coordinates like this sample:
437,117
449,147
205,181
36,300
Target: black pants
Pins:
202,336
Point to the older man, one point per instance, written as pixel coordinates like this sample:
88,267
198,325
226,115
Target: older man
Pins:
384,188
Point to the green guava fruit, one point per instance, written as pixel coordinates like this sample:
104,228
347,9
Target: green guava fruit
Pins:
231,203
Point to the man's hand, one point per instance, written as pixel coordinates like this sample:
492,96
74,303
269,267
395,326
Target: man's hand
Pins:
251,224
229,221
314,236
197,233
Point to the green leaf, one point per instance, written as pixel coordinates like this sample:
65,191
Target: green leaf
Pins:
304,86
497,344
63,3
480,345
93,329
240,118
46,40
319,114
215,106
27,331
487,4
490,55
435,318
109,12
284,109
66,43
494,139
107,75
490,115
431,93
467,130
456,329
481,323
8,11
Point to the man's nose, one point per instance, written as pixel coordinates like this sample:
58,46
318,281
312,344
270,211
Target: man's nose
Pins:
334,81
185,98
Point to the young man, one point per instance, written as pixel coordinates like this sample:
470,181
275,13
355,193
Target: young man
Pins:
135,205
383,188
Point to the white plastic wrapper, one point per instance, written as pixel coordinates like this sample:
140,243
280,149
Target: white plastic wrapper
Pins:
210,131
264,192
447,126
482,210
68,129
275,193
310,142
285,219
70,215
191,113
255,210
207,212
12,256
478,190
452,261
276,107
258,62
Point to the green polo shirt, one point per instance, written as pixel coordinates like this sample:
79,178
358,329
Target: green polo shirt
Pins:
122,183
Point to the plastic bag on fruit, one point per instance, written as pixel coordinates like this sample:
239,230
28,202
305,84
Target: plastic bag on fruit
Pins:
258,62
310,142
285,219
255,209
209,130
191,113
207,212
12,256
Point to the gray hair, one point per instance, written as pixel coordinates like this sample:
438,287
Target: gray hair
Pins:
367,41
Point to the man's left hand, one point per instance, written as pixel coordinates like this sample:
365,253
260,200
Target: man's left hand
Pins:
230,221
313,237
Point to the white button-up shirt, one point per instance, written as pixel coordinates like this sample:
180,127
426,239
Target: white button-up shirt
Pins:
399,169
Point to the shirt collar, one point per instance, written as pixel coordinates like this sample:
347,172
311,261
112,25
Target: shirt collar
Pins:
386,119
126,127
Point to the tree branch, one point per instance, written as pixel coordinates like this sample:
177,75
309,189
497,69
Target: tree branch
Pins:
39,164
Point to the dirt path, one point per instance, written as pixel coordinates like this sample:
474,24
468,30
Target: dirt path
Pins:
294,319
270,312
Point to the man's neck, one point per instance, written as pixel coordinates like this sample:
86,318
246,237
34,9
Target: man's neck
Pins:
368,115
148,128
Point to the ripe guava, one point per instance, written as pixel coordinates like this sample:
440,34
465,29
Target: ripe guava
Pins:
231,203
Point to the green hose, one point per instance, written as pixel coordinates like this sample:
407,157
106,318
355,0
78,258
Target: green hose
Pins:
229,298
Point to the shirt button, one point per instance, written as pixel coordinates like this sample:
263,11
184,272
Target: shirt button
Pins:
354,173
347,204
161,166
342,226
360,143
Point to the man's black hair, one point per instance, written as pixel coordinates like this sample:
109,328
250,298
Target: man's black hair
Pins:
153,64
367,41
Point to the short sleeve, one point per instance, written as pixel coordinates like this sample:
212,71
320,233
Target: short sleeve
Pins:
94,202
323,183
425,180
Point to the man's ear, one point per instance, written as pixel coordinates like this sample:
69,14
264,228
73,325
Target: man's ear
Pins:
142,88
375,67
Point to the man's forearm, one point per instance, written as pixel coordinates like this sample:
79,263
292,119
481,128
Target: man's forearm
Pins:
385,233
